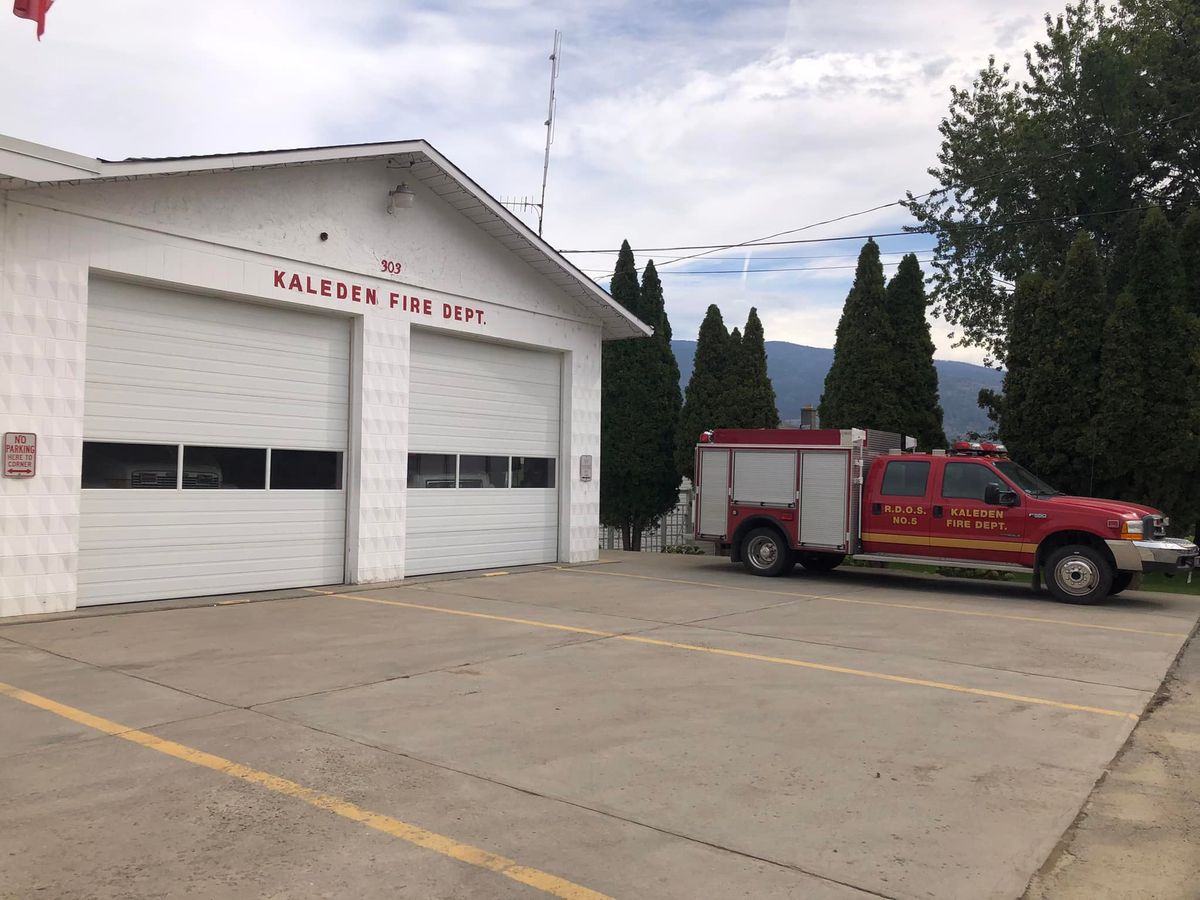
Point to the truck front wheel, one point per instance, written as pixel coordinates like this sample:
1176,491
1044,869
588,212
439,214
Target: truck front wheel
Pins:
764,552
1078,574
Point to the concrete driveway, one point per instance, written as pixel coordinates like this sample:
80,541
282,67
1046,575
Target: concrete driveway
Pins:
651,726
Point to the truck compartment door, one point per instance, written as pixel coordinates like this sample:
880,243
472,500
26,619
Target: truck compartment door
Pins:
764,477
824,499
712,507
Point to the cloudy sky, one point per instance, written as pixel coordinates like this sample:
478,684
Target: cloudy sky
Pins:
679,123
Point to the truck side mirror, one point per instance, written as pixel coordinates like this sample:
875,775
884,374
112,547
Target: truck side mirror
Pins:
995,495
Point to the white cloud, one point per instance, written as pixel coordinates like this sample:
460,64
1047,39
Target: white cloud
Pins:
680,123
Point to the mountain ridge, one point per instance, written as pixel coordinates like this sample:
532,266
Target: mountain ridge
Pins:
798,373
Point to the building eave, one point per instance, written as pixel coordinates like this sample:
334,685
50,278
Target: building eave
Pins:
26,165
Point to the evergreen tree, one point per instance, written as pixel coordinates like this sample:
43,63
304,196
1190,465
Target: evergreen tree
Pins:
705,403
663,373
860,390
918,411
639,409
1068,388
734,384
1055,338
1152,426
1189,256
756,399
1018,417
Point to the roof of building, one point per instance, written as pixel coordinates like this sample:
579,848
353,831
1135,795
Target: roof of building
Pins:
25,165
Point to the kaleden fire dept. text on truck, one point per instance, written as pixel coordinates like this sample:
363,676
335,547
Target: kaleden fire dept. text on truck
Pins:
775,498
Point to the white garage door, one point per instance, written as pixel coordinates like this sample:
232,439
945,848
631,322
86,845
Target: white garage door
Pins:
214,446
483,455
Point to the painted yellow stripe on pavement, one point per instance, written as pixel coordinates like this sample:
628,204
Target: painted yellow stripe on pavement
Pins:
412,834
861,602
738,654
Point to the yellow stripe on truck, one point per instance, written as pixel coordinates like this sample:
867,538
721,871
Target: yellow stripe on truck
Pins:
919,540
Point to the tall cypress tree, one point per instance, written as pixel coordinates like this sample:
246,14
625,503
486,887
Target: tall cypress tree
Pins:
919,412
1152,424
1189,256
860,390
663,375
1020,420
639,405
1068,391
757,397
705,403
1053,388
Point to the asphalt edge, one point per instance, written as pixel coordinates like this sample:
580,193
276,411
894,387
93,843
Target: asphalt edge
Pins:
1161,698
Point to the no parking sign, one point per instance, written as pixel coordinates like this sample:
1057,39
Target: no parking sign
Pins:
20,454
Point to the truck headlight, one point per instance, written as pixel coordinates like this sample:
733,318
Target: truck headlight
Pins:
1132,530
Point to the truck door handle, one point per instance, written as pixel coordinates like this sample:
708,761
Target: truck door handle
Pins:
937,512
876,508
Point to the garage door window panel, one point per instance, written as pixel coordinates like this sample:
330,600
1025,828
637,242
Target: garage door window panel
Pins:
135,466
483,471
228,468
533,472
432,470
306,470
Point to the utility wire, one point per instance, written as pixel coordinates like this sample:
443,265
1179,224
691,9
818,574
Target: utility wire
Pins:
601,273
768,240
863,237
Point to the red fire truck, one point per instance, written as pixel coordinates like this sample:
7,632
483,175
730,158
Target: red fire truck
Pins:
775,498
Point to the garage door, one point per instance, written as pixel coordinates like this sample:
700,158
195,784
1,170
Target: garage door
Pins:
214,446
483,455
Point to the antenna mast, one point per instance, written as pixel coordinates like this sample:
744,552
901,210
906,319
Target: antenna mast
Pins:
525,202
554,61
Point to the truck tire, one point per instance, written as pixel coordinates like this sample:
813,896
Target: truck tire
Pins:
1121,581
1078,574
820,562
765,552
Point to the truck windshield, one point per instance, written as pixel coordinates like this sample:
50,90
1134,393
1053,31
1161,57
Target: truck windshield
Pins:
1024,479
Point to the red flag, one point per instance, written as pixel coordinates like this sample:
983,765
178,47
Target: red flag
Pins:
33,9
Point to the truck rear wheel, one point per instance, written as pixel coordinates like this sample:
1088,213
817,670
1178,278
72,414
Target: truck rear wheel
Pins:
765,552
1078,574
820,562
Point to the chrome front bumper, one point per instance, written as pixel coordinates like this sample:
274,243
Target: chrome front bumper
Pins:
1161,555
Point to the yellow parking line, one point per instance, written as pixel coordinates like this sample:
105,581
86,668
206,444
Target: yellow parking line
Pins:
916,606
412,834
737,654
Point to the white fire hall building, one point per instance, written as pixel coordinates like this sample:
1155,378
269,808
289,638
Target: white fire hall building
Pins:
273,370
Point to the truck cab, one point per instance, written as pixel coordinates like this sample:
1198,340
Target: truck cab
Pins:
777,498
976,508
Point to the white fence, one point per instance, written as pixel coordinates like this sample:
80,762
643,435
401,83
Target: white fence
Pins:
674,529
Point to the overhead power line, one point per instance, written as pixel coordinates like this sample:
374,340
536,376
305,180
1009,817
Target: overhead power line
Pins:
863,237
893,262
768,240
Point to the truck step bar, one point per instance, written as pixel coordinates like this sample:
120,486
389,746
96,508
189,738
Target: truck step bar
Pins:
942,562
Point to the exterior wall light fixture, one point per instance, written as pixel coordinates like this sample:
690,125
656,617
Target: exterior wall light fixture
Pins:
400,198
